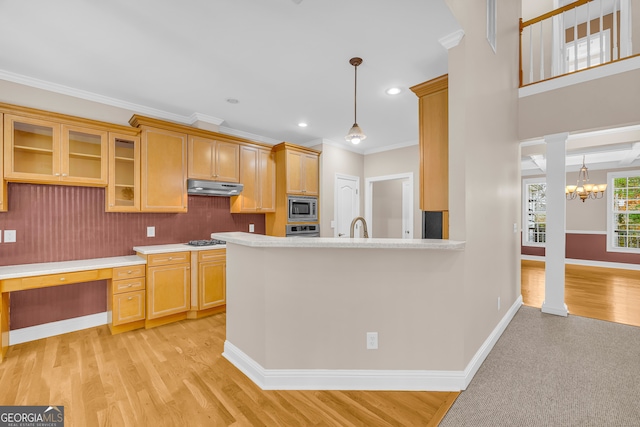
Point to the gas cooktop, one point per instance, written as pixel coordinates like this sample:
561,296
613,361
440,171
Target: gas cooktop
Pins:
211,242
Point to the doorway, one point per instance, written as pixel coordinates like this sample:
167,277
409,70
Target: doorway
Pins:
389,206
346,203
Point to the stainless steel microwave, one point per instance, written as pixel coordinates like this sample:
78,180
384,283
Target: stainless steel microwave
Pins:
302,209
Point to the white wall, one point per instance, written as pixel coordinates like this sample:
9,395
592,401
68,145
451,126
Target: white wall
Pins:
484,180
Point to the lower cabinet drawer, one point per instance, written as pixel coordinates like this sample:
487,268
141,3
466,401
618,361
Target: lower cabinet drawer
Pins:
128,307
120,286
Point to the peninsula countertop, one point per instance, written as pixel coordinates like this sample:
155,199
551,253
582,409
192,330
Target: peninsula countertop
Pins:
259,240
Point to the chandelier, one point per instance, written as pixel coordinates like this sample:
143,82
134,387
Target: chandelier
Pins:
355,134
583,189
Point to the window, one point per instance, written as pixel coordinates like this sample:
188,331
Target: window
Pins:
594,51
623,212
534,223
492,23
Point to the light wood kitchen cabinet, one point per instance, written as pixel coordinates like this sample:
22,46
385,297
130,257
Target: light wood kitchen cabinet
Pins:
163,170
302,172
168,296
3,183
48,152
433,113
297,173
126,299
258,175
213,159
123,190
212,278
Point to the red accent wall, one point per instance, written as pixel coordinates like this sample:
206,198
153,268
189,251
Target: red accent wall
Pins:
591,247
61,223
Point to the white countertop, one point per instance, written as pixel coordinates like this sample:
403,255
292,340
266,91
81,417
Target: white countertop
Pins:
174,247
39,269
259,240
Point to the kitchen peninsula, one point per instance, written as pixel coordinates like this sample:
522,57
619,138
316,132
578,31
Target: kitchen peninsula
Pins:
299,311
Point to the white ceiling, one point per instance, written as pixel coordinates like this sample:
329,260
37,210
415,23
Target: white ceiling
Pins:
615,148
284,62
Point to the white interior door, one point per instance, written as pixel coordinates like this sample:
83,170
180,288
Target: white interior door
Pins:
347,203
407,210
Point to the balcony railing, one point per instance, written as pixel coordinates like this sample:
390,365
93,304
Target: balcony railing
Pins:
575,37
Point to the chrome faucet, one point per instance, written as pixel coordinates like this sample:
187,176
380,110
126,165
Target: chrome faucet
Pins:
364,226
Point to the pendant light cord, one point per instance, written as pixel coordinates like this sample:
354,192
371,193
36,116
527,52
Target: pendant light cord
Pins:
355,96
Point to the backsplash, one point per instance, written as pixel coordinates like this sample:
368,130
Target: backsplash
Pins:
61,223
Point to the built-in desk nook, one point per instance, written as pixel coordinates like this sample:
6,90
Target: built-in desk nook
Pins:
116,270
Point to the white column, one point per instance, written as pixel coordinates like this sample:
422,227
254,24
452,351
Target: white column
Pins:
555,242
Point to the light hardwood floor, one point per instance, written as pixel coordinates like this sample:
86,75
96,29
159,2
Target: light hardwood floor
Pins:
174,375
600,293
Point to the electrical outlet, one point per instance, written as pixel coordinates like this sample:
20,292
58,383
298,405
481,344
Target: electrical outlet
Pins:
9,236
372,340
515,227
252,228
498,303
151,232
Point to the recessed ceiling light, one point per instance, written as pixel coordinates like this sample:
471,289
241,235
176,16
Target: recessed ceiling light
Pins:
303,124
393,91
232,101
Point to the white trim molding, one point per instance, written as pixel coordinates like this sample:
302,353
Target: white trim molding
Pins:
451,40
32,333
586,262
357,379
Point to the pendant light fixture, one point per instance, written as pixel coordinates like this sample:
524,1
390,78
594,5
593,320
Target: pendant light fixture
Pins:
355,134
583,188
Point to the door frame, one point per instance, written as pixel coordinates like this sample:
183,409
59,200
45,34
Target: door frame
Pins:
368,198
335,197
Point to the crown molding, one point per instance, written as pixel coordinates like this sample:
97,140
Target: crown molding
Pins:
248,135
391,147
451,40
199,117
90,96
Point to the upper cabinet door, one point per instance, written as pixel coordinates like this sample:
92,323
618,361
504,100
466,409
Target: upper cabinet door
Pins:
201,157
123,190
31,150
163,171
84,156
267,180
227,161
310,173
47,152
215,160
302,173
3,183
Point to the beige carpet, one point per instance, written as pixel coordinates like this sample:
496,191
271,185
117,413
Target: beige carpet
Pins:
553,371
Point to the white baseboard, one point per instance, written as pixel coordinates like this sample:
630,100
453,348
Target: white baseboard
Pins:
488,344
32,333
347,379
586,262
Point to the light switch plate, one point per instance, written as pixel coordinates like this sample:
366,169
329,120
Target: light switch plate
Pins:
151,232
9,236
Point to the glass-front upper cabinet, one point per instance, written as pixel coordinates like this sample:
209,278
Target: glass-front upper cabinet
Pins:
123,190
47,152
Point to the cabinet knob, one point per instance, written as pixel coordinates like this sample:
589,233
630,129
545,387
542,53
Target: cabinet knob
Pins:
62,279
170,258
56,174
111,204
130,298
129,285
129,272
64,174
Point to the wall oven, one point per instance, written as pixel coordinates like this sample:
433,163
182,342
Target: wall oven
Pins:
302,209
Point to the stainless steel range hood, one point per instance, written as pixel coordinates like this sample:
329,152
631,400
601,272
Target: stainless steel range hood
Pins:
213,188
